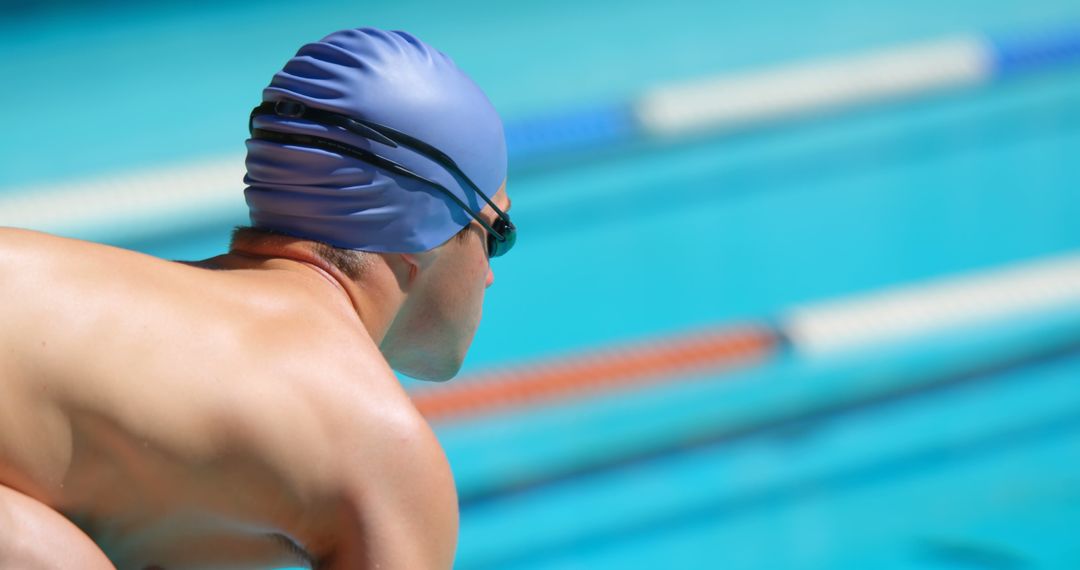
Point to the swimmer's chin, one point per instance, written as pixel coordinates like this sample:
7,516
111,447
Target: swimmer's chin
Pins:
428,373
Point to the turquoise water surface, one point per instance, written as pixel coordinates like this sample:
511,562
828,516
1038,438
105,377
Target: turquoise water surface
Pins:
664,238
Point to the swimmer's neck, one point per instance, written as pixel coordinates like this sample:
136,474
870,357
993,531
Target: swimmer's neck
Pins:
375,306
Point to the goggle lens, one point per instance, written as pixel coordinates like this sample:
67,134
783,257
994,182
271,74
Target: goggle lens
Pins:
506,229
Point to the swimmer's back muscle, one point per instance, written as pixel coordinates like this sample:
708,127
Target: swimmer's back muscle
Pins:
157,387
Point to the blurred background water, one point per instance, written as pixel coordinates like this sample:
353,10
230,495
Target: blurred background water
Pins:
958,448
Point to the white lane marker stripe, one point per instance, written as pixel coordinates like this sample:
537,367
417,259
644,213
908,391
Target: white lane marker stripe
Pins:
912,311
129,202
743,99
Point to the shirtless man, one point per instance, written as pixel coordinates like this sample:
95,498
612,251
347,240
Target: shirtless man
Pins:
241,411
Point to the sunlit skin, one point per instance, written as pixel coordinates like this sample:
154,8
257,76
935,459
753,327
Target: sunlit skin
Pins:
212,414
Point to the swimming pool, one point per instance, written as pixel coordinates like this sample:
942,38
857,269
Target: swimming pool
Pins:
649,242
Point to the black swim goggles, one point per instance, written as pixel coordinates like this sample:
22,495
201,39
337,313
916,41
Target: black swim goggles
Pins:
501,235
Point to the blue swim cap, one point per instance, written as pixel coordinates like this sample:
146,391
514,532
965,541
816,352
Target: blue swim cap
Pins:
389,78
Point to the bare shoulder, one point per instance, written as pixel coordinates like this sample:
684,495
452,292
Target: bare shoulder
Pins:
10,236
422,492
18,247
40,271
19,241
354,436
402,502
37,258
247,372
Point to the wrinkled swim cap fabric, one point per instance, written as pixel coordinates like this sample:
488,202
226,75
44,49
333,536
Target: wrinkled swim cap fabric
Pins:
394,79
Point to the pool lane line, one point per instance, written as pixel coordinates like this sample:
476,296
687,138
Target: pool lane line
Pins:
961,325
925,379
739,101
120,206
710,105
935,305
633,364
743,100
1034,51
875,318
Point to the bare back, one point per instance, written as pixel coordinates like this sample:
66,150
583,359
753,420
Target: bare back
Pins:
188,417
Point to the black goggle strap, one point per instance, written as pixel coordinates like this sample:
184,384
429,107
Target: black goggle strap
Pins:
436,155
298,110
371,158
378,133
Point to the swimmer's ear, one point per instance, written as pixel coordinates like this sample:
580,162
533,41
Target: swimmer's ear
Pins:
408,266
405,268
412,265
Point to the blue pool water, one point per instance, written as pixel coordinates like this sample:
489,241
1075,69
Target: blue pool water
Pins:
650,241
807,472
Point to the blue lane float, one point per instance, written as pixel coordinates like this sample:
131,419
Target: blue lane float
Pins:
741,101
705,106
569,131
1034,52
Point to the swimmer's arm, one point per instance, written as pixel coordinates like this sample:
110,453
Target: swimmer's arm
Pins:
405,512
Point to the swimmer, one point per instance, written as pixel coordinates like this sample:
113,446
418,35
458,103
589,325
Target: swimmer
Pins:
242,411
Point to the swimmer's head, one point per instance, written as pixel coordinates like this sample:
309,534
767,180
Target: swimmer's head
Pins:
325,193
372,141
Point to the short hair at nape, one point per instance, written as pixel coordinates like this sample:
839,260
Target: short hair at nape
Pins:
352,262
